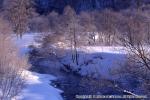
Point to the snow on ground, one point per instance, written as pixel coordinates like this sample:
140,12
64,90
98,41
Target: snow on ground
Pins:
111,59
97,61
104,49
37,86
24,42
94,61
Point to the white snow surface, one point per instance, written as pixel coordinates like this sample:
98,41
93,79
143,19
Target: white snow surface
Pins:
98,61
24,42
94,61
37,86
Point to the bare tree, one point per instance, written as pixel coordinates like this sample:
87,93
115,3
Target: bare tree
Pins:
109,21
134,40
87,21
18,13
11,65
71,27
39,24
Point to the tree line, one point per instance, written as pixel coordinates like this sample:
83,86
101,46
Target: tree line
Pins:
105,27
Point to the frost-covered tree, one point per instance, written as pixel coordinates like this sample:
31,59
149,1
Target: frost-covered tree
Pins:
134,37
88,24
71,29
18,13
11,64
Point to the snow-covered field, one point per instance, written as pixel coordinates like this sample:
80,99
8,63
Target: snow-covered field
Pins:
97,61
94,61
37,86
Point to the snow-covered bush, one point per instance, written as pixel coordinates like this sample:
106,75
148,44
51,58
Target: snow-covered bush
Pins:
11,65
